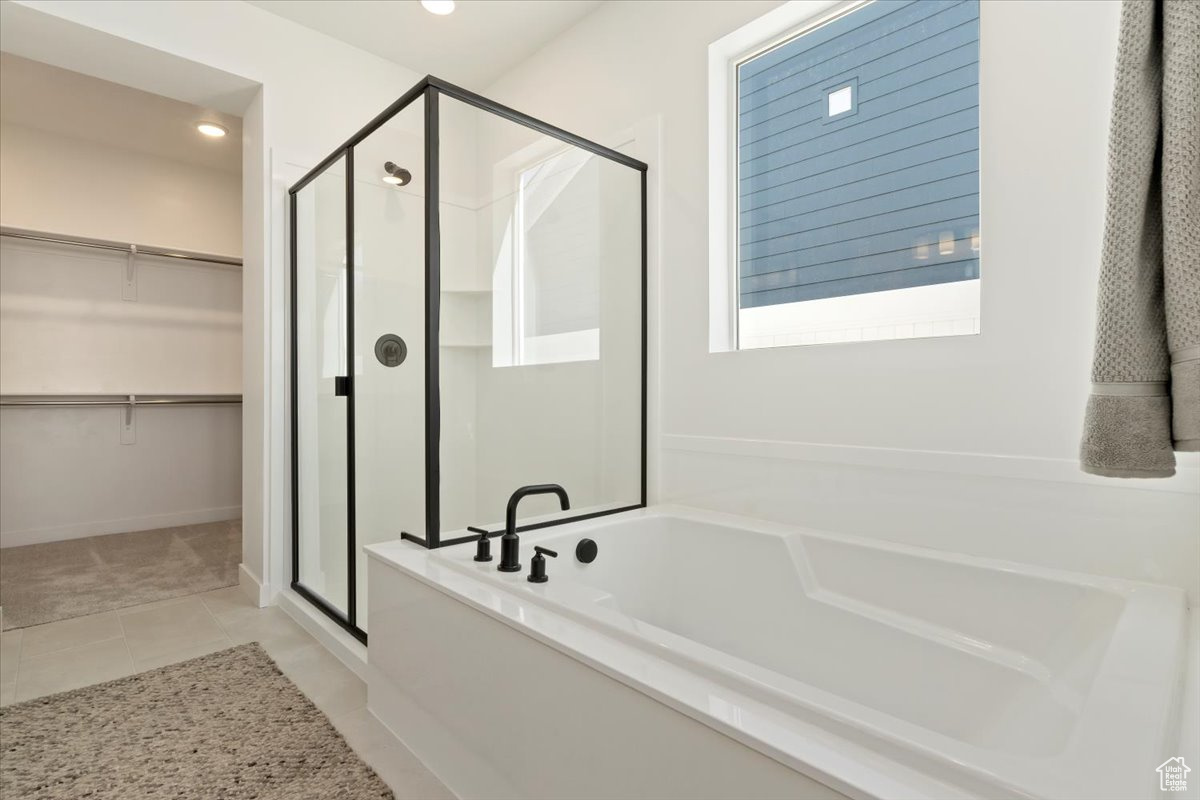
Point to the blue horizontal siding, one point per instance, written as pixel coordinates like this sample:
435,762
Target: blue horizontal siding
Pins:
870,63
916,22
879,241
828,176
760,222
925,215
883,145
831,207
887,119
960,51
860,265
958,189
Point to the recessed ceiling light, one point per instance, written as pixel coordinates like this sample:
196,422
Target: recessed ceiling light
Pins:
439,7
211,129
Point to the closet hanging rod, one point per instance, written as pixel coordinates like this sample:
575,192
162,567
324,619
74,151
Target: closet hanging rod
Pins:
81,401
104,244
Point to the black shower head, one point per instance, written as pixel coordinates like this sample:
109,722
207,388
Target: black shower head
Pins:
396,175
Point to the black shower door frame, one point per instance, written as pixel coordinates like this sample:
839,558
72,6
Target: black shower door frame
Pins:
431,89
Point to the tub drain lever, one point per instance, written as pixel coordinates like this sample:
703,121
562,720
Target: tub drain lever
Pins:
537,567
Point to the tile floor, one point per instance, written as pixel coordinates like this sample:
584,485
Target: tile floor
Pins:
58,656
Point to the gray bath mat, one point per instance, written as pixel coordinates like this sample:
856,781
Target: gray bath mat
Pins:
73,578
226,725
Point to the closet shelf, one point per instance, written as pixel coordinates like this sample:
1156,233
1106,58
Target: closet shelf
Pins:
85,400
105,244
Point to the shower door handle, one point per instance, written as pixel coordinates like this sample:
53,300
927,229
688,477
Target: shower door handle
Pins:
341,386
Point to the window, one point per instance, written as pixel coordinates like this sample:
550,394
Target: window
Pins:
549,311
841,101
851,190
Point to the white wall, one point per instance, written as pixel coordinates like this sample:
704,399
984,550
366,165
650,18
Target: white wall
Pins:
966,442
66,329
64,472
70,185
315,92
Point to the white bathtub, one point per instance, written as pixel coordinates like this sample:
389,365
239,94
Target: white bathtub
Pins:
874,669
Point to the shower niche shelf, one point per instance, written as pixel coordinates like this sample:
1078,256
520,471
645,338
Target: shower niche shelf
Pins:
466,319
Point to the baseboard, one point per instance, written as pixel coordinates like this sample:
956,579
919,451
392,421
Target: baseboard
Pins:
258,592
80,530
1062,470
345,647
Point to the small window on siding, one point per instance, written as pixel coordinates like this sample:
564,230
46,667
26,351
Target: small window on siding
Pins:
840,101
857,178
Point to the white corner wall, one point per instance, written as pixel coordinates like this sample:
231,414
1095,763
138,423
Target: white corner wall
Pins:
965,442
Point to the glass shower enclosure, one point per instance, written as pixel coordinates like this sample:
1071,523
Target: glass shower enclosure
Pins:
468,316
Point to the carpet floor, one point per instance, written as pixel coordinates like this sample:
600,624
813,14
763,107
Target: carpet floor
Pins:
76,577
226,725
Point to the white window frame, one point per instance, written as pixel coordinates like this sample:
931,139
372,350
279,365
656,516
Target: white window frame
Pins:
509,317
901,313
724,55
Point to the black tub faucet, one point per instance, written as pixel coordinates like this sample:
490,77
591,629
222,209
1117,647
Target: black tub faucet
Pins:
510,543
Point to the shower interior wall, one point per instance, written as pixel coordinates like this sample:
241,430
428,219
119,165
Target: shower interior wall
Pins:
501,426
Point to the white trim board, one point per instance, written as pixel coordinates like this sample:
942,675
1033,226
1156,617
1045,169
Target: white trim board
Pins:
125,525
255,590
333,638
1061,470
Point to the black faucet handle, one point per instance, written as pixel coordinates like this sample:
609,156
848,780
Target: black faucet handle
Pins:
537,568
483,547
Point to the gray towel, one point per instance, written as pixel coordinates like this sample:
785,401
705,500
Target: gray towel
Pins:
1145,400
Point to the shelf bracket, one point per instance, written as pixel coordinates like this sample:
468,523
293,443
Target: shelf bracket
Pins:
129,422
129,287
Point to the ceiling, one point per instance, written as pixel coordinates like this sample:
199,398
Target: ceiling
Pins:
481,40
48,98
42,36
